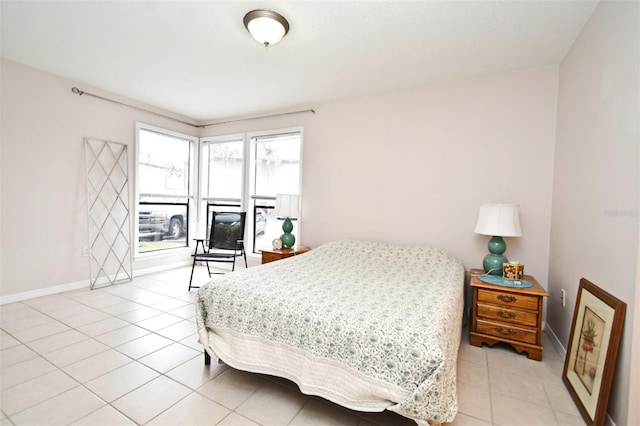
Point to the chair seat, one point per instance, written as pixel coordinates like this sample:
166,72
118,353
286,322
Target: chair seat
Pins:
217,255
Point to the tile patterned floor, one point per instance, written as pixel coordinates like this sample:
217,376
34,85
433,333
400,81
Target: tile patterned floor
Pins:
127,354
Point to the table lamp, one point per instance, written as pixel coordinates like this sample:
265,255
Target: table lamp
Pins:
287,206
497,220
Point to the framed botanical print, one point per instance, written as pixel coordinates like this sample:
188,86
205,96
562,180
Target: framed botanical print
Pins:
593,348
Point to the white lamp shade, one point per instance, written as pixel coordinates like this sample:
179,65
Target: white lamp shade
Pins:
502,220
287,205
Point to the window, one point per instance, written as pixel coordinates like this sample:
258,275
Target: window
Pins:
165,187
222,175
223,168
233,180
275,169
241,172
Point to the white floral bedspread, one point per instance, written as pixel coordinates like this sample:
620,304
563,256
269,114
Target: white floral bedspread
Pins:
365,324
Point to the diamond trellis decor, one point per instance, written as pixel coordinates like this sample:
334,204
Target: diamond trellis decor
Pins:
107,173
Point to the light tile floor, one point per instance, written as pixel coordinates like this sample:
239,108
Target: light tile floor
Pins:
127,354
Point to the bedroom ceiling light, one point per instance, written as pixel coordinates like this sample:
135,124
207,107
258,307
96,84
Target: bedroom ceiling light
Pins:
497,220
287,206
266,26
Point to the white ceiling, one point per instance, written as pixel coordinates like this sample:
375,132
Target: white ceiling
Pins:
197,59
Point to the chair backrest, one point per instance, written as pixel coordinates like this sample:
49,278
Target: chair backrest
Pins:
227,228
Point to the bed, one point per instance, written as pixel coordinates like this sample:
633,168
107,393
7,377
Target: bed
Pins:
367,325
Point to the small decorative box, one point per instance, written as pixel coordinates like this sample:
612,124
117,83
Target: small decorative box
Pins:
513,271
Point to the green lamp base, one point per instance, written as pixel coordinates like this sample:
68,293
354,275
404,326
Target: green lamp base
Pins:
288,239
492,262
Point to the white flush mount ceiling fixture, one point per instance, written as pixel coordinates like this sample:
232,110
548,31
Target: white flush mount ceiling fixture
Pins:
266,26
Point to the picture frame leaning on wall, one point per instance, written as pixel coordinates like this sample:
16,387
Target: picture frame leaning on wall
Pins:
596,329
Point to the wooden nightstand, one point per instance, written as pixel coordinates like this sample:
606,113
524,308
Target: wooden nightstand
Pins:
508,314
273,255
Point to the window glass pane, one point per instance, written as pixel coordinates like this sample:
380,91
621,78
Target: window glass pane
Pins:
164,189
223,169
163,164
268,226
162,226
277,171
277,165
219,207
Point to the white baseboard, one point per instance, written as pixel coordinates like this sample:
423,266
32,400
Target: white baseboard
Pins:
555,341
48,291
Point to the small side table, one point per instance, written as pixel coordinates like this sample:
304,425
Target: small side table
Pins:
273,255
508,314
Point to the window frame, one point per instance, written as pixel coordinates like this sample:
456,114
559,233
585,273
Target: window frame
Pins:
254,199
197,199
189,199
204,201
204,142
248,201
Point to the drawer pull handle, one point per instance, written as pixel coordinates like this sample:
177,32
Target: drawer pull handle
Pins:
506,315
505,331
508,299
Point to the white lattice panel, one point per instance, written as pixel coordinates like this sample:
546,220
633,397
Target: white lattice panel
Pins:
107,170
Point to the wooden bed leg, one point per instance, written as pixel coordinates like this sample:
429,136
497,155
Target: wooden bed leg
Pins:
207,358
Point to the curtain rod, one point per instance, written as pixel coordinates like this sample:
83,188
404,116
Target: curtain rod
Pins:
82,92
313,111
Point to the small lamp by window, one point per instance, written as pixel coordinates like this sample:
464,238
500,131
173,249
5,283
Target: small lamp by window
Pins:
287,206
497,220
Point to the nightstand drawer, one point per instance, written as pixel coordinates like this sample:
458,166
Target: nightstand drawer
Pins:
508,331
506,315
511,300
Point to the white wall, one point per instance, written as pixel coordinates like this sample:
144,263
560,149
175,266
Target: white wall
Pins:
408,166
413,166
594,229
634,375
43,195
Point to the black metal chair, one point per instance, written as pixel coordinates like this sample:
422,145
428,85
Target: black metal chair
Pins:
225,243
